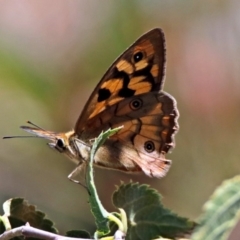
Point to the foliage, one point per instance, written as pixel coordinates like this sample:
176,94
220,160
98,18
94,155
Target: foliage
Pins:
147,217
221,212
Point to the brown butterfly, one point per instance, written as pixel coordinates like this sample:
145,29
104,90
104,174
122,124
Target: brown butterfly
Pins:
129,94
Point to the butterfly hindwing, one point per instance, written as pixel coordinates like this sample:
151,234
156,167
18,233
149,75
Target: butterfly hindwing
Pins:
150,123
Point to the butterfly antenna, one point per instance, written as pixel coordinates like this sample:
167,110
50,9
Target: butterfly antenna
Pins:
29,122
8,137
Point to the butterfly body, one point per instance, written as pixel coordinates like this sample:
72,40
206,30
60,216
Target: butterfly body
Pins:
129,95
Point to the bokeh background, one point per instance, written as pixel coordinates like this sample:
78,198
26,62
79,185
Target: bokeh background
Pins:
53,53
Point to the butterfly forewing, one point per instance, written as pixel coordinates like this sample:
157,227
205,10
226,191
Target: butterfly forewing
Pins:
140,69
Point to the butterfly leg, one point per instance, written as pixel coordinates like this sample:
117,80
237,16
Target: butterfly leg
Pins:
80,167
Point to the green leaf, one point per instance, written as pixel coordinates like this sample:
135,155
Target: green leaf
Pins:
19,212
99,212
99,141
148,218
221,212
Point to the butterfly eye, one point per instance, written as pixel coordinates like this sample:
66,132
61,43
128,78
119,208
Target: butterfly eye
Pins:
60,145
149,146
138,56
136,104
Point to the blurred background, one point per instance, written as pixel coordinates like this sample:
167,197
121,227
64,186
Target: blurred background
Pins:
53,53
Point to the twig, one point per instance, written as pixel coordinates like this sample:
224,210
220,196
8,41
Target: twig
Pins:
28,231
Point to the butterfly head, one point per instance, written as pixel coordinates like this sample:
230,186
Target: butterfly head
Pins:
65,143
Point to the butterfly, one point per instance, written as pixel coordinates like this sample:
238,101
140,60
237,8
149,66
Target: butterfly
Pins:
129,94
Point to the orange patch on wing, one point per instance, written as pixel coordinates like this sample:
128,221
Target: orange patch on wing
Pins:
154,70
113,84
164,135
143,87
141,64
136,80
166,118
99,108
114,100
125,66
166,121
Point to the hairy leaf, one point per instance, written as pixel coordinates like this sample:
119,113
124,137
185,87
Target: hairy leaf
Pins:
19,212
148,218
221,212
